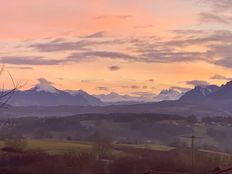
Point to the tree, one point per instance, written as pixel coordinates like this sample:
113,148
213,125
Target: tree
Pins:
102,144
192,119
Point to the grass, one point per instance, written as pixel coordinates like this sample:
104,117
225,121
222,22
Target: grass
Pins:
156,147
61,147
57,147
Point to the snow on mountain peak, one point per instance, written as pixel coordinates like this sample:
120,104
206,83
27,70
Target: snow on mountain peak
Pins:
45,85
168,94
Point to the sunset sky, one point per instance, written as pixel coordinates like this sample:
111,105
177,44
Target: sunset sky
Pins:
126,46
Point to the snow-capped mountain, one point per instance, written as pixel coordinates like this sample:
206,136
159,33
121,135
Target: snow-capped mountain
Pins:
44,94
169,94
45,86
136,97
115,97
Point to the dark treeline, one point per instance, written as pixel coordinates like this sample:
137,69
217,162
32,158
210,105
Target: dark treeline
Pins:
117,117
124,128
221,120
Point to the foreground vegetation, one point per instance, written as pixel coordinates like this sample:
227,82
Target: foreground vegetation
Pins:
113,144
58,157
125,129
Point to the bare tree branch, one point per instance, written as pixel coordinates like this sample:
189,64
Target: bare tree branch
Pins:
5,96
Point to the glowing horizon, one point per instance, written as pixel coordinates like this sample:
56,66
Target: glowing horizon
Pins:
126,46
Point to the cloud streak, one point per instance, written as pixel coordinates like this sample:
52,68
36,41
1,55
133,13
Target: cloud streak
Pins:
20,68
212,18
103,88
217,44
120,17
197,83
99,34
114,68
220,77
219,5
99,54
14,60
55,46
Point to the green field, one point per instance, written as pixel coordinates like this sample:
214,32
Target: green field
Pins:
57,147
156,147
61,147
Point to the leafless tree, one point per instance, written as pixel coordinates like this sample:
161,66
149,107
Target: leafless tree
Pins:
5,95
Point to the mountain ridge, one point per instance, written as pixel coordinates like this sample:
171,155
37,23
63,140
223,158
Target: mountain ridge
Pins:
51,96
213,101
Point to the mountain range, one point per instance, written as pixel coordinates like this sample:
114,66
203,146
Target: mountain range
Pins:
201,101
139,97
44,94
208,94
50,96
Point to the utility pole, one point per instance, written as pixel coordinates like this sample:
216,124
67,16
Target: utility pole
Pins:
192,152
192,163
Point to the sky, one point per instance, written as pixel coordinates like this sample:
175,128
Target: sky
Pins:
125,46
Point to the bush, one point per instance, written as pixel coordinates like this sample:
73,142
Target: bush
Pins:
14,144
